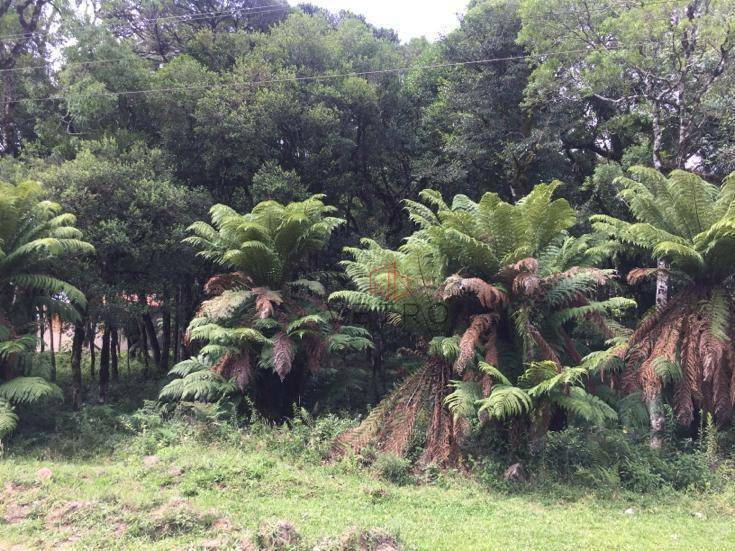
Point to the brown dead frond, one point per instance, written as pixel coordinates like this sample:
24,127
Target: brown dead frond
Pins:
284,351
235,367
391,425
681,333
227,282
637,275
489,296
267,301
479,326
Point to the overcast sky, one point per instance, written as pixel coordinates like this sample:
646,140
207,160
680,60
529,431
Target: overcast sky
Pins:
410,18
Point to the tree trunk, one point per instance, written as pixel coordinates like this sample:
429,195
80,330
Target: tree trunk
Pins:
76,365
9,141
91,335
187,312
654,404
166,344
105,365
144,349
152,339
657,145
42,329
177,329
51,346
113,353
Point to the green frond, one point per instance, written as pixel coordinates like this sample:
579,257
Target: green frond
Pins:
493,372
50,285
585,406
538,372
506,402
199,386
463,399
355,331
8,418
192,365
420,214
718,314
633,411
569,376
667,370
566,287
20,345
607,359
445,347
434,198
339,343
29,390
670,250
360,301
309,321
615,306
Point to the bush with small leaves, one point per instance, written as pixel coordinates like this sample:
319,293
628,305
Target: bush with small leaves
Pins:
393,468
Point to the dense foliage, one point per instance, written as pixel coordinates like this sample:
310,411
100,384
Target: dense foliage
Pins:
446,239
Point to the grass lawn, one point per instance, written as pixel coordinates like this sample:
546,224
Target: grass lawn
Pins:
177,489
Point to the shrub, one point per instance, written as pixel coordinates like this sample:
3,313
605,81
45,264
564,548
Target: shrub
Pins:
304,437
393,468
610,459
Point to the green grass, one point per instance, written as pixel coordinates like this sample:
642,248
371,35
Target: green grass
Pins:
195,485
120,477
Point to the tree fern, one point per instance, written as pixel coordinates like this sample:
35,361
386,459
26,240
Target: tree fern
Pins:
500,272
686,223
268,313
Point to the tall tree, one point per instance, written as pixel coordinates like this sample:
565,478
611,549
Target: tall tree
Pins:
662,59
25,26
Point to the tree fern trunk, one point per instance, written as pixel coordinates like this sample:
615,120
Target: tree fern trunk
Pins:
76,365
655,404
42,329
177,328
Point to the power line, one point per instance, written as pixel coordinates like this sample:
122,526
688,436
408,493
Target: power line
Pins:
307,78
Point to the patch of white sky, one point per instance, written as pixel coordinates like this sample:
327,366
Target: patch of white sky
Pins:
409,18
